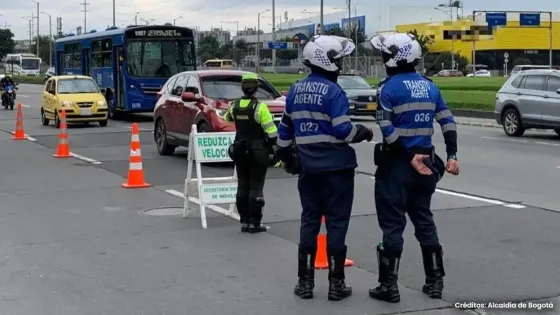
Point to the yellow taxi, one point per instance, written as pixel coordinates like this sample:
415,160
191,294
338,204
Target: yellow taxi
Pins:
78,96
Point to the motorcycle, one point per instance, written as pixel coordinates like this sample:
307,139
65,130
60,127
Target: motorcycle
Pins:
10,96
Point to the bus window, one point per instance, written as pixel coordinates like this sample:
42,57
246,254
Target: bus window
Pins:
227,63
159,58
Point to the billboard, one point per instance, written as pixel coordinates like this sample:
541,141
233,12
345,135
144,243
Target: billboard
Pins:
356,22
331,26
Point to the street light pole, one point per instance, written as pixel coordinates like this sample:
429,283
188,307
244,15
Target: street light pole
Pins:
321,19
177,18
38,52
51,39
136,18
259,40
114,13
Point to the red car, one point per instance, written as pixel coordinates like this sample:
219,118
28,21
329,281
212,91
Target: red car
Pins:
202,98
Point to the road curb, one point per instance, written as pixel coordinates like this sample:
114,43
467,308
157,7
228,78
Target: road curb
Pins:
473,113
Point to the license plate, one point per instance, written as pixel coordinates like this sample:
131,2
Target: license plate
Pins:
85,112
372,106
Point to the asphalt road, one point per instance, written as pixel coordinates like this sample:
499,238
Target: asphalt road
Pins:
75,242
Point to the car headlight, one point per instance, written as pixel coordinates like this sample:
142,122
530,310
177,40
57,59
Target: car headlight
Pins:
352,97
101,104
221,112
352,106
67,104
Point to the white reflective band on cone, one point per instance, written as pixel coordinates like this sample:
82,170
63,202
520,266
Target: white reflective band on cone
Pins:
135,166
63,141
135,138
135,152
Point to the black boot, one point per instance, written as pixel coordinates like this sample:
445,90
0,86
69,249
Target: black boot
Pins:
338,290
256,212
242,204
432,257
306,273
388,289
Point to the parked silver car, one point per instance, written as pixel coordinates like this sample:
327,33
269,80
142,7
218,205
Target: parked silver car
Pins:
529,99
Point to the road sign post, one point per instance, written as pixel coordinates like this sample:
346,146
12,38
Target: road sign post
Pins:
210,148
506,60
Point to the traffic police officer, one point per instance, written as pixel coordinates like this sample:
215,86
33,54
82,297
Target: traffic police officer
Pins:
255,137
316,118
407,167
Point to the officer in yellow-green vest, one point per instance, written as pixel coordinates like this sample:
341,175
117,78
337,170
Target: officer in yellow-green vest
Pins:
255,138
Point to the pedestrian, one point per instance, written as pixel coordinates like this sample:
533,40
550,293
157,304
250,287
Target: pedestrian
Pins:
316,118
407,167
256,135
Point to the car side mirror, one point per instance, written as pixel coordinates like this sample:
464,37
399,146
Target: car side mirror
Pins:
558,91
284,93
188,97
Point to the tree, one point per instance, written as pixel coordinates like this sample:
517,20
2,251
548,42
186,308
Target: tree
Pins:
424,41
240,50
208,47
521,61
44,46
7,43
433,62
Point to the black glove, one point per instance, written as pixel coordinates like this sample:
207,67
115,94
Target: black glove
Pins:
363,133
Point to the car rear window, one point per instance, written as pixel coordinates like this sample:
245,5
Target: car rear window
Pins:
517,82
228,87
535,82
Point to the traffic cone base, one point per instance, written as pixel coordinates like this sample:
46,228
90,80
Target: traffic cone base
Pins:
19,133
321,260
135,178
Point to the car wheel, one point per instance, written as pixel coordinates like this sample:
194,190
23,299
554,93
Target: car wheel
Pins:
103,123
511,121
160,136
56,120
44,119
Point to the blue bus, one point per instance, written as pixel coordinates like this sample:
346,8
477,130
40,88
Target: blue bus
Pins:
130,64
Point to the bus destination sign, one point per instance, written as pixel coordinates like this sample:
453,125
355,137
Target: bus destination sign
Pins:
157,33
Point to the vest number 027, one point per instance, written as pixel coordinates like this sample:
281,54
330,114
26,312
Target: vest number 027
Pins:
308,126
422,117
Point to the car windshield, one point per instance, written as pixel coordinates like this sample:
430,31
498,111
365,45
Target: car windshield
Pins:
353,82
228,87
77,86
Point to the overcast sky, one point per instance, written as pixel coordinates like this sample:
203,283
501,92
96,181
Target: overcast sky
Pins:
205,13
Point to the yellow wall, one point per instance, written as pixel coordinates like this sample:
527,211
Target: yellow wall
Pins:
504,38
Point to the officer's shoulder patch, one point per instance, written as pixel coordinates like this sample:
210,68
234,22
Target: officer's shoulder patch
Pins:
425,77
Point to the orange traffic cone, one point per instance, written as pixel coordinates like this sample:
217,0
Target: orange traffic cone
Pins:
135,171
63,148
19,134
321,260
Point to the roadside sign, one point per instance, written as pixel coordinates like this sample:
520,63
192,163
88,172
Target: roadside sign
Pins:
210,148
218,193
213,147
496,18
529,19
506,55
506,60
277,45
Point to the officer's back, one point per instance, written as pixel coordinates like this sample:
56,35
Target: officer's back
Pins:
413,99
312,103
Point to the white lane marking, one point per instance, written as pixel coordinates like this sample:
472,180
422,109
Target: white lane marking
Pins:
20,95
523,141
214,208
477,198
85,159
27,137
25,105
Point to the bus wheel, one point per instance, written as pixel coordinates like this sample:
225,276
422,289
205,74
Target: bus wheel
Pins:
115,114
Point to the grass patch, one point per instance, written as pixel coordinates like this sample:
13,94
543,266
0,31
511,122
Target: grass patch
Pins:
29,80
481,100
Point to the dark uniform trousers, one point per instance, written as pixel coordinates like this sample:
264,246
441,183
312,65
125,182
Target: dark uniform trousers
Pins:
251,175
329,194
399,189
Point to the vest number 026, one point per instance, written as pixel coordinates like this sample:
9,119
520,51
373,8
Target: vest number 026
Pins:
422,117
308,126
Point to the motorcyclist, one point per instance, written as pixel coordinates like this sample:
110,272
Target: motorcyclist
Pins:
316,124
407,167
4,82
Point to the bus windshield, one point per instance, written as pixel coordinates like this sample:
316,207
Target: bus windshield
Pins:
30,64
159,58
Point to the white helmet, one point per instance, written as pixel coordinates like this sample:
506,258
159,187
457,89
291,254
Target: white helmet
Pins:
327,51
397,49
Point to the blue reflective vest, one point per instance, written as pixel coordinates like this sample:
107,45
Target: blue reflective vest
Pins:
316,117
408,105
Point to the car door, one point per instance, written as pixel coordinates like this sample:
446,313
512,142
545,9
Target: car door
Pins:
174,105
551,106
531,98
48,98
189,109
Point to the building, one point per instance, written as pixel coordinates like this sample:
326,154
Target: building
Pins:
530,42
369,20
223,37
22,46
